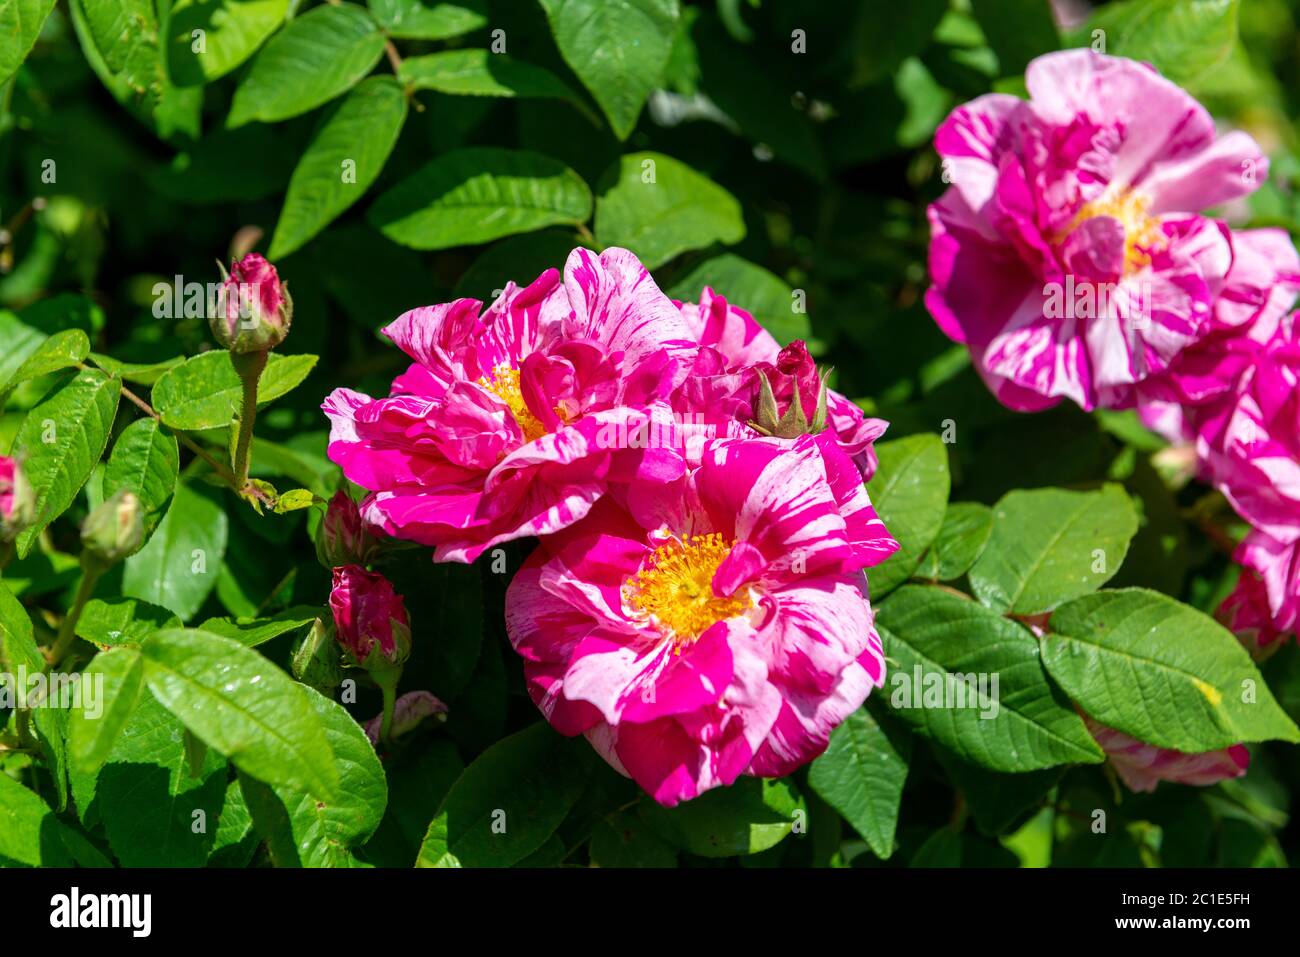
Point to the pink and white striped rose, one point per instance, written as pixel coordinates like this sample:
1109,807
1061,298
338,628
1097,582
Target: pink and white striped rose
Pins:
1088,195
495,430
709,627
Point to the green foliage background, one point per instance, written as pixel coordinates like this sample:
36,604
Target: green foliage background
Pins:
790,147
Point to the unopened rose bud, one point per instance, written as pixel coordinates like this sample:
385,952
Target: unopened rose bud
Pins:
253,311
114,530
17,500
344,537
791,395
369,619
411,708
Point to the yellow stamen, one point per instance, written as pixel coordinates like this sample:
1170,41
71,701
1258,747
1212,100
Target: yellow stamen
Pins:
675,587
504,384
1142,234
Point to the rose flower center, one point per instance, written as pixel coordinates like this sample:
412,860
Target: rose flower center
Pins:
504,384
675,587
1142,233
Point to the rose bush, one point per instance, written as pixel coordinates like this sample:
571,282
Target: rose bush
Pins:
745,432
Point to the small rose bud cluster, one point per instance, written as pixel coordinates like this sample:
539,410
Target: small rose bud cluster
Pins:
253,311
17,500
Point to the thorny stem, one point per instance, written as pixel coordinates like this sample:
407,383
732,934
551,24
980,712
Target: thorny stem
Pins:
6,553
249,365
91,570
585,234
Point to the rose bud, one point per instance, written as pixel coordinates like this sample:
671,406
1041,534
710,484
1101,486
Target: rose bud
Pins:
792,395
114,530
17,500
369,618
253,311
344,537
410,709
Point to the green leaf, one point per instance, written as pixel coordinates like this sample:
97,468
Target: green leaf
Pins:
659,207
59,351
618,48
997,801
236,841
1183,39
21,342
17,641
60,442
508,802
475,195
1017,30
204,392
909,492
343,159
419,777
966,529
146,460
320,54
429,19
241,705
122,40
746,286
232,30
972,680
154,812
624,840
1050,545
294,500
1162,672
750,816
251,632
20,25
122,621
760,98
302,831
861,775
50,723
30,834
483,73
179,566
91,737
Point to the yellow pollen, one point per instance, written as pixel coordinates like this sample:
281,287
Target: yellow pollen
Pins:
1142,234
504,384
675,588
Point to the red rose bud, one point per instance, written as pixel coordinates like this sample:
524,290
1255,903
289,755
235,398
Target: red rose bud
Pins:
17,500
253,311
369,618
344,537
114,530
792,395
